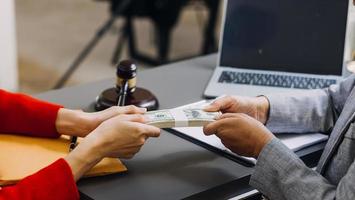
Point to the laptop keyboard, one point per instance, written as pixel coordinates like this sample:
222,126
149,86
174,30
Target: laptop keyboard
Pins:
272,80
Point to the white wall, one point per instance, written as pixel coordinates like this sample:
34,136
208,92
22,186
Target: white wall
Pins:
350,39
8,51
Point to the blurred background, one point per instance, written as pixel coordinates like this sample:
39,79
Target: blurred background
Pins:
51,34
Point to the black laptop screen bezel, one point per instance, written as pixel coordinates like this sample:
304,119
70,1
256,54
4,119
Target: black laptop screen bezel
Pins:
330,60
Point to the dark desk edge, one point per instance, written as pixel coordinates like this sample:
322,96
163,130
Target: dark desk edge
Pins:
211,148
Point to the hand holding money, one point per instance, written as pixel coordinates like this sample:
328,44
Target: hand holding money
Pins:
180,117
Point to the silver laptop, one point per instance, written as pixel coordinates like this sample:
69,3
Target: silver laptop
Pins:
278,45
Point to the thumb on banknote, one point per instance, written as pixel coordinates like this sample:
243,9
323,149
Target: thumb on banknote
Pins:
212,107
227,115
224,104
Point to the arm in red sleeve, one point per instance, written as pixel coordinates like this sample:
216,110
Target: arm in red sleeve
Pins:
54,182
25,115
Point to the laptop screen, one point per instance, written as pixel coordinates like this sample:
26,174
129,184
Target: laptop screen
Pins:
304,36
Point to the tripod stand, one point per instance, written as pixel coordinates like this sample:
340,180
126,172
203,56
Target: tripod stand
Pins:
163,13
127,8
92,43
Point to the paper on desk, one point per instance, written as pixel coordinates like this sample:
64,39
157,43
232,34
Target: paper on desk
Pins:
294,142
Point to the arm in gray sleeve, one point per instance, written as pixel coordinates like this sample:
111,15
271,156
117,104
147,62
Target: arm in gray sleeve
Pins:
280,174
308,111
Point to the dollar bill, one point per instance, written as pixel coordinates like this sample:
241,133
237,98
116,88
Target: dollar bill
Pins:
189,117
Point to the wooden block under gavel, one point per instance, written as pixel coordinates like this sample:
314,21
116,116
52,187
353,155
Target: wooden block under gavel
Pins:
126,82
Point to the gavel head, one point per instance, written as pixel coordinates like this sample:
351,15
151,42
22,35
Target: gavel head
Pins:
126,72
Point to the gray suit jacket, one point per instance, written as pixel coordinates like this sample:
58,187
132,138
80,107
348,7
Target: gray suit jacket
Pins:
280,174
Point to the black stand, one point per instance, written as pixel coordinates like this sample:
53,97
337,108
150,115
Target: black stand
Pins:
164,24
84,53
92,43
88,48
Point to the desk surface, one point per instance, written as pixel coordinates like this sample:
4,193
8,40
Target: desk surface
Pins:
168,167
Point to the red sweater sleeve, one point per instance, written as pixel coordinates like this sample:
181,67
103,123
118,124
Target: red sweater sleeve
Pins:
54,182
25,115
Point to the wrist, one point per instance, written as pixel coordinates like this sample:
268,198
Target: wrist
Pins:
71,122
262,109
263,141
83,158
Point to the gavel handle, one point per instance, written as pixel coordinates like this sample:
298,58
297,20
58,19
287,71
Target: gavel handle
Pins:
122,94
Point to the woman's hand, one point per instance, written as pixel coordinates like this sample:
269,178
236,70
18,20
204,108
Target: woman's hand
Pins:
256,107
121,136
79,123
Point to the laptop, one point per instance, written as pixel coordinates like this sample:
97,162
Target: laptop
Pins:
281,45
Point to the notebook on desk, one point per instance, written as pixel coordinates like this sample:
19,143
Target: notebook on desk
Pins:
295,142
22,156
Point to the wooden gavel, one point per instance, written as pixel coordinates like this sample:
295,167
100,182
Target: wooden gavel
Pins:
126,91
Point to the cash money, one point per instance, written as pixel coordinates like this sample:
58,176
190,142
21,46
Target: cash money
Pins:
189,117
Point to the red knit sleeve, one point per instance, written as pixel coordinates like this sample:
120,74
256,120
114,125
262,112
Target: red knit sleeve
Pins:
54,182
25,115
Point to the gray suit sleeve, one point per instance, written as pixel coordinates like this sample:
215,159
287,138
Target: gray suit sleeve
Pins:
280,174
308,111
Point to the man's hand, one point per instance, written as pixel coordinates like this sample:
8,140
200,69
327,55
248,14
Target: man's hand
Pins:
121,136
256,107
79,123
240,133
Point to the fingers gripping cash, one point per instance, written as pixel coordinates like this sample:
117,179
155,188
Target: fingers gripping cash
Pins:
193,115
180,118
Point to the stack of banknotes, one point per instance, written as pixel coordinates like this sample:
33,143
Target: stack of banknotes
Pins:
181,117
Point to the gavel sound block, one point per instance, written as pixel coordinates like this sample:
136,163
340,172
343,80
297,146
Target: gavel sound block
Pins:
126,83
